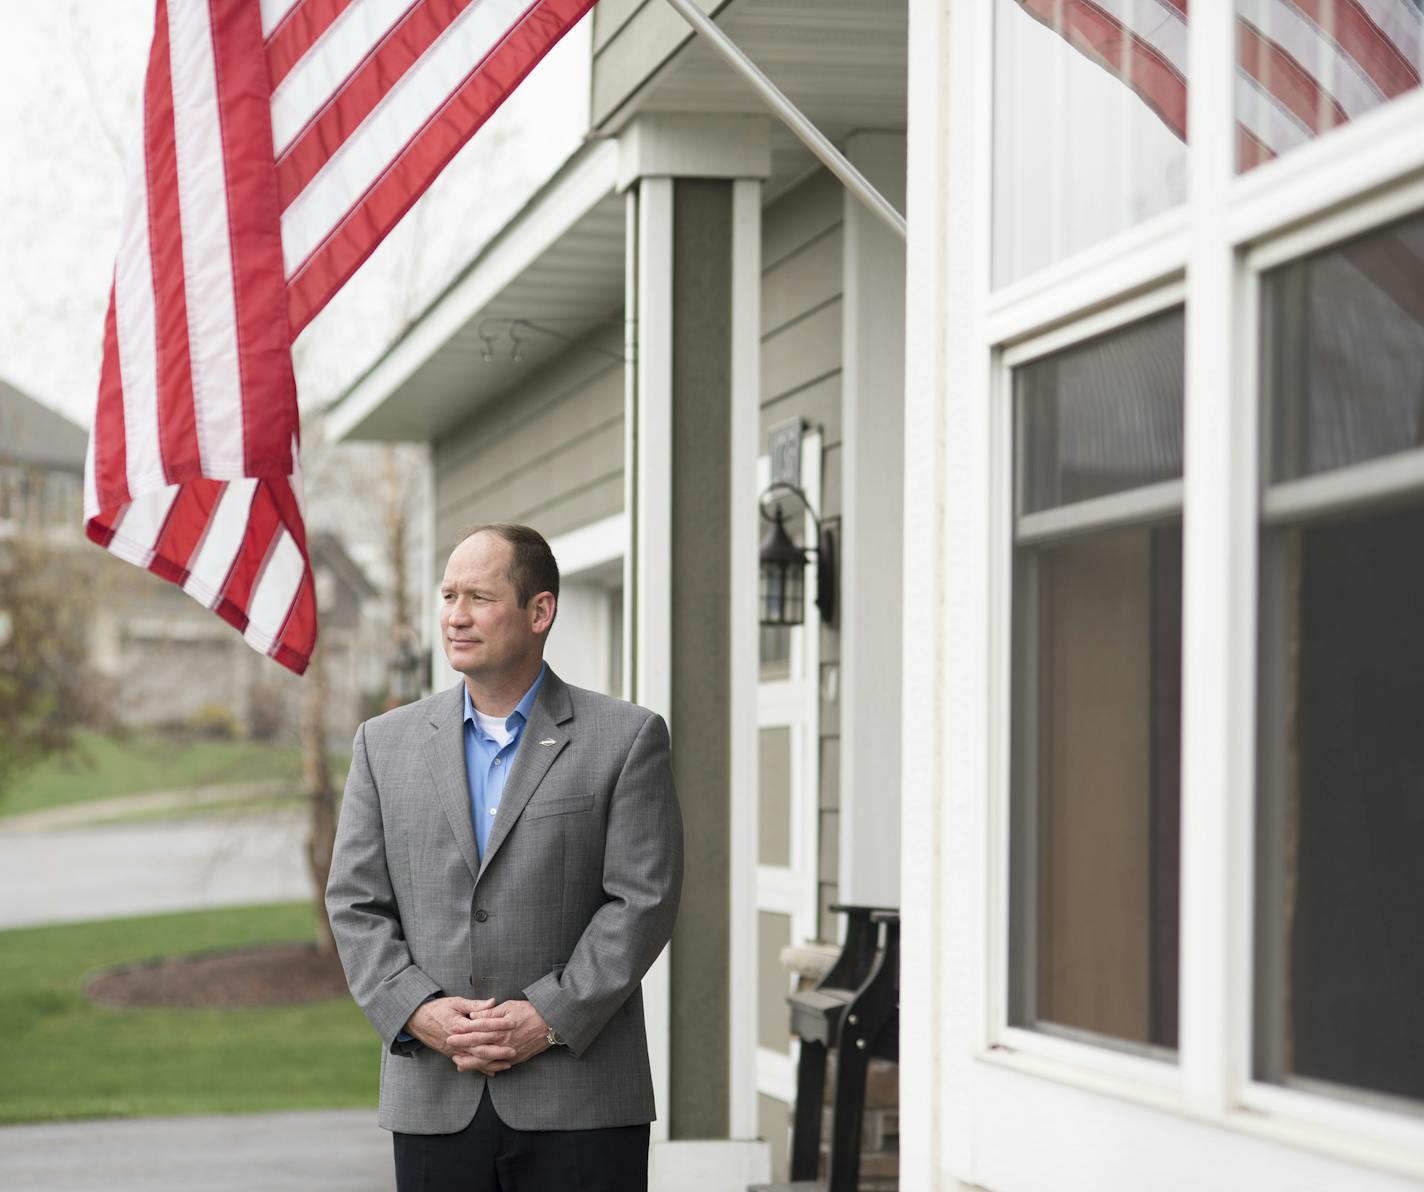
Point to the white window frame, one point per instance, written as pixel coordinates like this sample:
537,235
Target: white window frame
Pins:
794,703
1008,1109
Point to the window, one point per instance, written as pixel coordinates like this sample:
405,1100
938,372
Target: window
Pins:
1340,962
1089,124
1097,677
1172,771
1305,68
12,494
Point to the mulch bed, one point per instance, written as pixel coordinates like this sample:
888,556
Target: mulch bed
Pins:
267,975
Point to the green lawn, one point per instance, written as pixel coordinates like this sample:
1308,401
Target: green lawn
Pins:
67,1058
101,767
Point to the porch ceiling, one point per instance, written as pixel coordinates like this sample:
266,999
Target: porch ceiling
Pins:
559,265
842,62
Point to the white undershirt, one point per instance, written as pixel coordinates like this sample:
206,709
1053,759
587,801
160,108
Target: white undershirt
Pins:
494,726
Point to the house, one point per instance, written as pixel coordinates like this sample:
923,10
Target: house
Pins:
1120,455
41,468
171,657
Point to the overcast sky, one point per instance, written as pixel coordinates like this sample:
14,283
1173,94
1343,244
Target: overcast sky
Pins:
70,72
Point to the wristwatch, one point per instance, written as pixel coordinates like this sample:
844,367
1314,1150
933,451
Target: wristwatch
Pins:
553,1038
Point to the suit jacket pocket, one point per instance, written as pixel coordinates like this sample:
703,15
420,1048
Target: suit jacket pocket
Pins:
539,808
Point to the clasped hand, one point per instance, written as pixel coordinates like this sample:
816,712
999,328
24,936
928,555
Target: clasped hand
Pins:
481,1036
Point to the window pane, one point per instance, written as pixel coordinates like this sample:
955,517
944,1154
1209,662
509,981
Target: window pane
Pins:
773,982
1344,353
1096,737
1090,109
1340,959
1096,785
1304,68
1103,416
774,796
1341,964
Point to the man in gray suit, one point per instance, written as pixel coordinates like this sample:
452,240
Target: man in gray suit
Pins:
507,867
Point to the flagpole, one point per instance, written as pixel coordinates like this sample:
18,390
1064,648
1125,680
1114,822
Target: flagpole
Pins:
792,116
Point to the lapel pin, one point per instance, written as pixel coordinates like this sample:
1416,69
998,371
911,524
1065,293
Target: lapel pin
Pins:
547,741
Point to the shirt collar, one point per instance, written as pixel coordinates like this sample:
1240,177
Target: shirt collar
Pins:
521,710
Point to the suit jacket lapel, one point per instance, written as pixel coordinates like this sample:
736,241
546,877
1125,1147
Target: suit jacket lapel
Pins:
445,755
533,758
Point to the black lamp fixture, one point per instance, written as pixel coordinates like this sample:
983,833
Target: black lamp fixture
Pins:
783,565
403,673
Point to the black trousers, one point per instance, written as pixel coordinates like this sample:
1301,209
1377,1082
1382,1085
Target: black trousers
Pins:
488,1156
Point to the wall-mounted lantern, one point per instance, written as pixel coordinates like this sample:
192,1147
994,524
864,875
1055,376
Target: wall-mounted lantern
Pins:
403,674
783,565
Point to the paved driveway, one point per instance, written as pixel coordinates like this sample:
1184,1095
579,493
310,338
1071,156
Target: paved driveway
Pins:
315,1151
109,871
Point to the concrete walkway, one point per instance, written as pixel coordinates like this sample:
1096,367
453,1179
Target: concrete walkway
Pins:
105,872
101,810
313,1151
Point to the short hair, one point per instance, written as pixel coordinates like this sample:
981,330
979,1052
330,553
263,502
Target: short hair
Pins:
532,566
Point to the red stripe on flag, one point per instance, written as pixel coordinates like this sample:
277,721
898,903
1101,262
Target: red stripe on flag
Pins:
299,31
1099,36
298,636
397,52
1294,87
177,429
269,400
263,527
1251,151
184,528
111,477
1355,32
356,235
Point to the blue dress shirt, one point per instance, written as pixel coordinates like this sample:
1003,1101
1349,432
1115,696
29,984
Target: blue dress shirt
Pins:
487,762
486,768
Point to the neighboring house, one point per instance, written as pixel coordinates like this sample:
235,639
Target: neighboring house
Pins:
175,659
1122,454
178,661
41,468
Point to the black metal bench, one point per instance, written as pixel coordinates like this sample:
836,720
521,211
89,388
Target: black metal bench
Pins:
855,1010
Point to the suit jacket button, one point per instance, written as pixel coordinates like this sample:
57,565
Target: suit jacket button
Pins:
481,915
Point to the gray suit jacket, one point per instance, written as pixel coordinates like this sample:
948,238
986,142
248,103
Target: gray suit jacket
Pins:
574,901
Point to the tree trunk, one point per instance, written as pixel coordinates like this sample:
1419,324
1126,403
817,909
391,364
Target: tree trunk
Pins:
321,795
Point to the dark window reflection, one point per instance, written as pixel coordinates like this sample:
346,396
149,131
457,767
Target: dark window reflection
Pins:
1103,416
1345,353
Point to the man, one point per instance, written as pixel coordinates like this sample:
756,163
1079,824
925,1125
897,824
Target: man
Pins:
507,867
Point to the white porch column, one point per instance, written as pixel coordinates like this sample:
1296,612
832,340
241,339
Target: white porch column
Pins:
872,520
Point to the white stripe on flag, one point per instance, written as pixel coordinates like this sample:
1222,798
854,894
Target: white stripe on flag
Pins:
227,526
91,481
138,346
1333,70
323,68
1262,115
277,586
402,112
207,248
1401,22
1155,22
272,13
138,530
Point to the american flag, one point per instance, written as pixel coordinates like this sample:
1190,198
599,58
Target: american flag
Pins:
281,142
1302,66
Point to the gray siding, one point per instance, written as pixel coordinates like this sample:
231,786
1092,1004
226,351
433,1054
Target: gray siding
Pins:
631,39
802,253
549,453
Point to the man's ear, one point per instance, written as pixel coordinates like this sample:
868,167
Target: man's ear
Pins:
545,606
